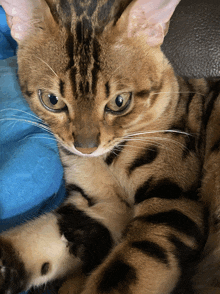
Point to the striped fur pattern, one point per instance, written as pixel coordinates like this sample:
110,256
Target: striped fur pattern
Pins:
140,149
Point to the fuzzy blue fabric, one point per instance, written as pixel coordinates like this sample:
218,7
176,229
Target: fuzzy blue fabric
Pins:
7,44
31,175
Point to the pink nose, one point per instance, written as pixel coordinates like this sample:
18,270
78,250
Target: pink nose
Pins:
86,142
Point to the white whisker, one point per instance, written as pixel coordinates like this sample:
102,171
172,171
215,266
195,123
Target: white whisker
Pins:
48,66
179,93
28,121
15,109
151,140
157,131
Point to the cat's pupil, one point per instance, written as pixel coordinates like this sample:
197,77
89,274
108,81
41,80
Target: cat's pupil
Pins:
53,99
119,101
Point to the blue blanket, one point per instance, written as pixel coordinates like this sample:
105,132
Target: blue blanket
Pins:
31,175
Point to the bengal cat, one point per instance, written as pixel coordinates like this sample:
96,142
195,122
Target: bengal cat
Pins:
140,149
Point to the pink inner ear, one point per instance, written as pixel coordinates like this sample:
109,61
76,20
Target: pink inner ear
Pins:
20,15
19,28
149,18
154,35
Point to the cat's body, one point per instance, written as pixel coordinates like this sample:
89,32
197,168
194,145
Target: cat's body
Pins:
133,141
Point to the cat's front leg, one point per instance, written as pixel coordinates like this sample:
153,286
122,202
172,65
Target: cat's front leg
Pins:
160,248
33,254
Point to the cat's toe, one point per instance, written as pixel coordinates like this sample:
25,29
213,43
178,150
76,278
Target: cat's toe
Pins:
12,272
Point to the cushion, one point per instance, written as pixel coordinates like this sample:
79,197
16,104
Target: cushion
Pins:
192,44
31,174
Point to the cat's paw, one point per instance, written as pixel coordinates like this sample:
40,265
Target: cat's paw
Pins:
13,276
87,238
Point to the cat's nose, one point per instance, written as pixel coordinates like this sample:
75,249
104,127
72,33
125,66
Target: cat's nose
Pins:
84,149
86,145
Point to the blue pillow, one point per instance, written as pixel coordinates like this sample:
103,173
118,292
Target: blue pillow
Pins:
8,45
31,174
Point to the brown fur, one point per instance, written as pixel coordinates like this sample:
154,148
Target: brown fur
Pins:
167,120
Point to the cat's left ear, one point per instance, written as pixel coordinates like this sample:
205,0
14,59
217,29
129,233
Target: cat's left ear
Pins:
148,19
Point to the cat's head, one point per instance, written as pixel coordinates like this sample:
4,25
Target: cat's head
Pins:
93,70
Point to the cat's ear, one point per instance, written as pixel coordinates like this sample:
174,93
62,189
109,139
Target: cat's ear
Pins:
26,17
148,19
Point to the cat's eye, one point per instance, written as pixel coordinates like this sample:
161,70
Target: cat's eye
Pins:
51,102
119,103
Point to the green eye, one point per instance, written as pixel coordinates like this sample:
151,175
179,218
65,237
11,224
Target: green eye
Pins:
119,103
51,102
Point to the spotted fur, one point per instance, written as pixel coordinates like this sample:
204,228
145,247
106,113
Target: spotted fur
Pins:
142,181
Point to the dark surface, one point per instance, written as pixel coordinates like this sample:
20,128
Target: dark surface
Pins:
193,42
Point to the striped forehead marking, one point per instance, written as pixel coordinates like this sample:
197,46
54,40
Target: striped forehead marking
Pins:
82,45
84,63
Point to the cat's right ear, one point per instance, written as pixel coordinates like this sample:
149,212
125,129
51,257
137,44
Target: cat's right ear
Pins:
26,17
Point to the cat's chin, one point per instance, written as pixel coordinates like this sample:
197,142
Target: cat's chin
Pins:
98,152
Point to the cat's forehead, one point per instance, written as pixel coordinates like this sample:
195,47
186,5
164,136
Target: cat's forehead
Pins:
84,45
95,14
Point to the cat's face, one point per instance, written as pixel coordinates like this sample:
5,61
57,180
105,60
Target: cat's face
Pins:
93,87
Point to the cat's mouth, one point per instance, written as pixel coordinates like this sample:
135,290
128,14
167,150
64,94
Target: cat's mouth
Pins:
85,152
116,146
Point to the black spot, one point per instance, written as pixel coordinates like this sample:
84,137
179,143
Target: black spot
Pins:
81,88
79,32
14,279
185,284
188,260
71,187
107,89
164,189
73,80
178,126
88,239
183,252
142,93
191,194
114,154
146,158
142,192
29,93
152,249
62,88
45,268
87,90
84,38
190,146
70,49
118,275
214,93
176,220
25,90
190,97
96,65
87,30
216,146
